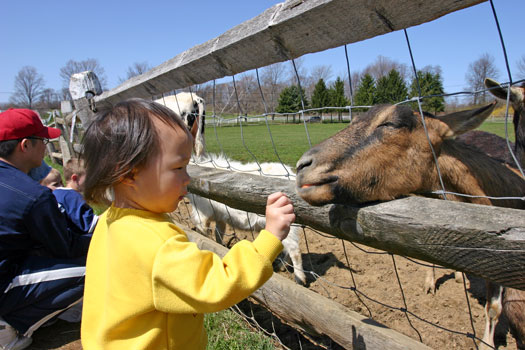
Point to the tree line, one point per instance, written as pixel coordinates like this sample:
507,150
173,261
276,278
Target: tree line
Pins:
382,81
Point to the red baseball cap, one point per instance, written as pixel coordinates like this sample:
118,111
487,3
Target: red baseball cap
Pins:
21,123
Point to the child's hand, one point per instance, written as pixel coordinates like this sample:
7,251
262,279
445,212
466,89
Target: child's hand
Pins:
279,215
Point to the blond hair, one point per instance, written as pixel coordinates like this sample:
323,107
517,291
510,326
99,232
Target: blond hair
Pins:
74,166
54,178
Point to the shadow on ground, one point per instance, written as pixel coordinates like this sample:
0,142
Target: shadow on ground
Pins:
59,336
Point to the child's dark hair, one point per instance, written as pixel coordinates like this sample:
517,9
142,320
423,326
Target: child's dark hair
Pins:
120,139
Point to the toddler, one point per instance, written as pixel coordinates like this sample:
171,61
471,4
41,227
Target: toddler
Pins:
147,286
80,216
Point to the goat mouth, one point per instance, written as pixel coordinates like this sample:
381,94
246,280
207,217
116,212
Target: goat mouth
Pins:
328,180
317,193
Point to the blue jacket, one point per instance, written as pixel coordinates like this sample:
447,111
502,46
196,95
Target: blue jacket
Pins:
31,221
79,214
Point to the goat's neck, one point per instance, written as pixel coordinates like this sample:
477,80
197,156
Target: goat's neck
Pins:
519,131
468,171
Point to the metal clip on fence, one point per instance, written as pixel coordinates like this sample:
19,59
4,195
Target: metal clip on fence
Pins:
91,101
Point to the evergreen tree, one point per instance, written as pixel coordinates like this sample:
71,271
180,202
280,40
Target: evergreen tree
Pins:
391,88
337,96
320,96
430,84
290,100
365,92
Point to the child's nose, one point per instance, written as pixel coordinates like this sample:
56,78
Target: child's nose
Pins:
187,178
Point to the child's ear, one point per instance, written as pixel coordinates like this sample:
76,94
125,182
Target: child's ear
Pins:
129,178
74,177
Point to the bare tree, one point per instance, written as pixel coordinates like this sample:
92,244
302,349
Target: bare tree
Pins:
90,64
135,69
478,70
49,99
383,65
321,72
29,85
356,78
302,72
64,94
318,72
521,67
272,78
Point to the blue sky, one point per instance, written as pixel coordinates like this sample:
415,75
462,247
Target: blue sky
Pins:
46,34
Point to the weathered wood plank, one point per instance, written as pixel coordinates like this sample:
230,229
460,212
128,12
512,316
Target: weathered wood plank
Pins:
284,31
318,315
488,242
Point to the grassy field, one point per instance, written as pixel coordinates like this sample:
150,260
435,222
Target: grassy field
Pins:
290,140
228,331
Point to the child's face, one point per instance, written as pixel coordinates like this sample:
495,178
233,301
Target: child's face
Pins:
161,183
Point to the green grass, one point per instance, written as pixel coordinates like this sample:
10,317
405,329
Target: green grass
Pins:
228,331
498,128
290,139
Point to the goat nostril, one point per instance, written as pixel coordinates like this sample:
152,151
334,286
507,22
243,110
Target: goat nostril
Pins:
303,163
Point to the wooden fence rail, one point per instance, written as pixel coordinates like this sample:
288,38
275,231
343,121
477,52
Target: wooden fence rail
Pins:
485,241
285,31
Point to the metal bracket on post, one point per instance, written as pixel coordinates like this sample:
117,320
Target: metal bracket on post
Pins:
84,87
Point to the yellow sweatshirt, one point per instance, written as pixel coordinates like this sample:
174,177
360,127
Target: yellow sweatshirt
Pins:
147,287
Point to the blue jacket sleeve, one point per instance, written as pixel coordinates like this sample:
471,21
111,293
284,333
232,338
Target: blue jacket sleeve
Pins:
48,226
78,213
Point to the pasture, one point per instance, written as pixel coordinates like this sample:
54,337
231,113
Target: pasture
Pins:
290,139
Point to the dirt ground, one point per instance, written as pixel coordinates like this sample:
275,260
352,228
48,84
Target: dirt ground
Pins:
445,315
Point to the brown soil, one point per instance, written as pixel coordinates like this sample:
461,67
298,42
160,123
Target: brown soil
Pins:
445,314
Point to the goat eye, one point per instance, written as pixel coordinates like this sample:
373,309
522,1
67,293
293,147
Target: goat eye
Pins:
387,124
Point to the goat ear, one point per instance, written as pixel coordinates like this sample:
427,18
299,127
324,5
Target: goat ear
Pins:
517,95
437,131
461,122
495,88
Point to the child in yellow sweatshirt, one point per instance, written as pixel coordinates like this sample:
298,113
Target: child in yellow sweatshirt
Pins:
147,287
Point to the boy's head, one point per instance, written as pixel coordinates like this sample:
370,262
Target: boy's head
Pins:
23,138
52,180
123,142
75,174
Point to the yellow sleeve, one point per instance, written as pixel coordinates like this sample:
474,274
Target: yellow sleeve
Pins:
189,280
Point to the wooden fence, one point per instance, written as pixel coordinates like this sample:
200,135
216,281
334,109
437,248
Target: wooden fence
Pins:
486,241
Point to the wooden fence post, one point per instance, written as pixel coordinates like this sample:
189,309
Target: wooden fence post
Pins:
84,87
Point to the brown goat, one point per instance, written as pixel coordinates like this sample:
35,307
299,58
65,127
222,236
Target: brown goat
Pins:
517,101
386,154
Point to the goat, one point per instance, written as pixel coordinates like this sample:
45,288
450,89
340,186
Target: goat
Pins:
517,101
205,210
190,108
385,154
493,145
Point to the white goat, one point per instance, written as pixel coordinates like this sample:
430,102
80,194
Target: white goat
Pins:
189,107
206,210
